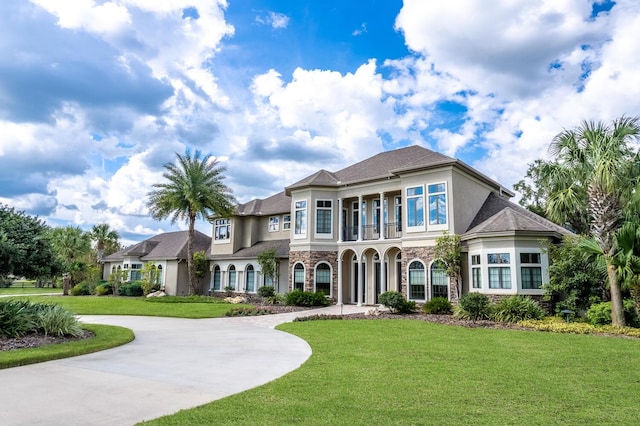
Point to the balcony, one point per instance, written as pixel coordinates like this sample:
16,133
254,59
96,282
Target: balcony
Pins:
372,232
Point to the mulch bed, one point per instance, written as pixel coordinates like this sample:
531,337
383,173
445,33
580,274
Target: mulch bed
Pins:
36,340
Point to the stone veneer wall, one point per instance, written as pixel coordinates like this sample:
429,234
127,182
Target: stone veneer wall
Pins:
310,259
426,255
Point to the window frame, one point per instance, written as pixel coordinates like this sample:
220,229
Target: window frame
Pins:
315,279
434,268
300,225
411,285
417,211
321,211
232,269
250,271
530,261
294,282
286,222
274,223
218,226
438,226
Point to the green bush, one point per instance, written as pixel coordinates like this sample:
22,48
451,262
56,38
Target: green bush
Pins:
600,313
17,318
516,308
54,320
82,289
395,301
266,291
473,306
103,289
5,282
132,290
306,298
438,306
247,312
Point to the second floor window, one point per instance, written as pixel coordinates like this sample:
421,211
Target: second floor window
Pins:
437,204
222,229
301,218
274,223
323,216
415,206
286,221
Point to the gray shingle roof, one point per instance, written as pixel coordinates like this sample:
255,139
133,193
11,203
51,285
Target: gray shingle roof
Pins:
280,246
167,246
276,204
498,215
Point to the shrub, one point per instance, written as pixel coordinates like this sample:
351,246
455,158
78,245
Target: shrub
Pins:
306,298
132,290
246,312
517,308
395,301
54,320
17,318
82,289
318,317
438,306
266,291
5,282
473,306
104,289
228,291
600,313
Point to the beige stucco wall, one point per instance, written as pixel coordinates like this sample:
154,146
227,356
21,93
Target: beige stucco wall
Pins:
467,196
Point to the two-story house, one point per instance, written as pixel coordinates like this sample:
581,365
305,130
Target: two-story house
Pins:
371,227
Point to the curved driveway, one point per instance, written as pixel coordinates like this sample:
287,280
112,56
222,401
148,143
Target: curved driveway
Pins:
171,365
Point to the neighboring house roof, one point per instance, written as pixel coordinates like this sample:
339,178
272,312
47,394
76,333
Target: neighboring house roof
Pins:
280,246
388,164
276,204
167,246
500,216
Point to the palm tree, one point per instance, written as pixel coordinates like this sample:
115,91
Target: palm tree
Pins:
597,168
103,236
71,246
194,189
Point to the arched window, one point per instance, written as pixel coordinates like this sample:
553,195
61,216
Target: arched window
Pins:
232,277
250,279
298,277
217,279
113,269
439,281
417,281
323,278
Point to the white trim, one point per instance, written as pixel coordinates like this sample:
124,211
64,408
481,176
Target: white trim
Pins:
420,227
439,226
323,235
303,232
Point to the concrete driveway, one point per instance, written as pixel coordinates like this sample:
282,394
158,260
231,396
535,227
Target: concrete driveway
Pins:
171,365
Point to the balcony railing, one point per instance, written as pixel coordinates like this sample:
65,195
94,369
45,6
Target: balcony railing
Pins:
372,232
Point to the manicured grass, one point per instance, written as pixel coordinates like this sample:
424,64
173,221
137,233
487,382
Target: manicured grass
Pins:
28,287
411,372
106,337
109,305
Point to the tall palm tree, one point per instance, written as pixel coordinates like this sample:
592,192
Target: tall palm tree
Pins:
103,236
194,189
596,167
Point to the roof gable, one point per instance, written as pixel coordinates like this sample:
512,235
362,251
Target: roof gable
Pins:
275,204
170,245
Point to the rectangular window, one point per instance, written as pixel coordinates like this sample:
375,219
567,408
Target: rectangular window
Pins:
274,223
531,277
417,284
301,218
437,204
217,283
222,229
323,217
476,276
530,258
355,218
475,259
415,206
286,221
398,213
376,216
498,258
500,277
323,279
298,279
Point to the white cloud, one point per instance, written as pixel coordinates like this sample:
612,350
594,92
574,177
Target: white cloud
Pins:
275,20
108,17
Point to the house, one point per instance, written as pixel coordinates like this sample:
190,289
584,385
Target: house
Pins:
372,226
167,253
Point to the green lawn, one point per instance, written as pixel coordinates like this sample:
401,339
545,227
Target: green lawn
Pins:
106,337
413,373
27,287
109,305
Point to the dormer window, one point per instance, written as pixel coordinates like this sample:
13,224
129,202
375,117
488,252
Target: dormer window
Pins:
222,229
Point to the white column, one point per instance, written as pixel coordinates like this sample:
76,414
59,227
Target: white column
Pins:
360,282
360,213
383,277
339,279
381,223
340,220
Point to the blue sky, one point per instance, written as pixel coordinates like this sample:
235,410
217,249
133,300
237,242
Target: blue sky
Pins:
95,96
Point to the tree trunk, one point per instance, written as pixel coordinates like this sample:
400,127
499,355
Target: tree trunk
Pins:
190,266
617,309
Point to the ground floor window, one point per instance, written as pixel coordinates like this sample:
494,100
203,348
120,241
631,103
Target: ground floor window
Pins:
232,277
531,277
250,279
417,283
323,279
298,277
500,277
217,282
439,281
476,277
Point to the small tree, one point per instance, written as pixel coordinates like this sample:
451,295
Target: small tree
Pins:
269,265
447,251
200,264
116,279
150,278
